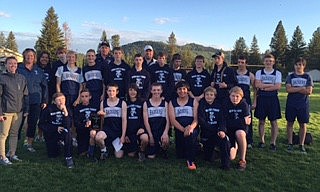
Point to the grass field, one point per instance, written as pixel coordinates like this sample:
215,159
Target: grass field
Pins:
266,171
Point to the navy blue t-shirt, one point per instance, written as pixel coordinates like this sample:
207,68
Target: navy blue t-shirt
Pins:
298,99
198,81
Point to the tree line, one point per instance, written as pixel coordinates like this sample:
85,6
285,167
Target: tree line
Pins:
52,37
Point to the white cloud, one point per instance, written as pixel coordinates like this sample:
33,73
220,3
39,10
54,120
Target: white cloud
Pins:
125,19
5,15
164,20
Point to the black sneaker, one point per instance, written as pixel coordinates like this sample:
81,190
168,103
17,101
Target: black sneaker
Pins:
92,158
69,162
261,145
273,147
290,148
302,149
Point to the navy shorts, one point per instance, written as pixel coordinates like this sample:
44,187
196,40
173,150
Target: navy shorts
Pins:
111,135
133,145
153,150
268,107
302,114
232,135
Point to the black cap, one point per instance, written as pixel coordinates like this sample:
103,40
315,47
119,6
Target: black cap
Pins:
104,43
218,53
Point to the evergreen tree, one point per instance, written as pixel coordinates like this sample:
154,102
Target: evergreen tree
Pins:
51,37
187,58
314,51
297,48
104,36
278,44
254,53
11,42
240,48
172,45
2,40
115,41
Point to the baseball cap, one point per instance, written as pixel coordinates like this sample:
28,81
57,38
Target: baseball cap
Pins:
218,53
148,47
104,43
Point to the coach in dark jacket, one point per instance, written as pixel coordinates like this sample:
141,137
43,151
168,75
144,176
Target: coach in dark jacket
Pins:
13,103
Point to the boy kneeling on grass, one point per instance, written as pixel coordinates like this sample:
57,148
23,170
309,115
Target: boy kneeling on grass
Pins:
213,128
114,111
56,123
237,116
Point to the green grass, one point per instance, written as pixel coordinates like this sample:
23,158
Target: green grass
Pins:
266,171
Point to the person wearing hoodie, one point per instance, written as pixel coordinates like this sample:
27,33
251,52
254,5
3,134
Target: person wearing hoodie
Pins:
38,92
237,117
13,104
223,78
213,128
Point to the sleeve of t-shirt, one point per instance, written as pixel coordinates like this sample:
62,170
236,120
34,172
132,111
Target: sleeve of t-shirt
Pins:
278,77
288,80
258,75
309,81
59,72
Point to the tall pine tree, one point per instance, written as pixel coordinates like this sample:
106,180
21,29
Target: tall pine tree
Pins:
314,51
240,48
278,44
2,40
11,42
297,48
115,41
103,38
254,53
51,37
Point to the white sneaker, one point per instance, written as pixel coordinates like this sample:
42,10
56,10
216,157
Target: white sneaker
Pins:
30,149
5,162
15,158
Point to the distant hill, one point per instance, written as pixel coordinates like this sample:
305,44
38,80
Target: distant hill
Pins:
188,51
158,46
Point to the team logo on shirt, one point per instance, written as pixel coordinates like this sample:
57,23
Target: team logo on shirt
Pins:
133,113
118,73
58,117
298,82
198,82
235,112
268,79
177,76
161,77
211,116
87,115
139,82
